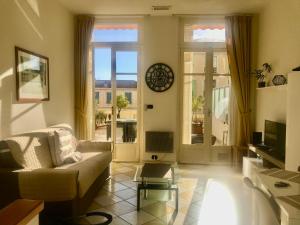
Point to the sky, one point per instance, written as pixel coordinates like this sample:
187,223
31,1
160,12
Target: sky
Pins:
126,61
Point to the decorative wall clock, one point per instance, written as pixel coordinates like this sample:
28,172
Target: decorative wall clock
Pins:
159,77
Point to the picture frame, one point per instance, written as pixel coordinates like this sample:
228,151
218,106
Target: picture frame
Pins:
32,76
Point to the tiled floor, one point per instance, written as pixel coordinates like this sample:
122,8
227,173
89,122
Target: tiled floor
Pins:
208,195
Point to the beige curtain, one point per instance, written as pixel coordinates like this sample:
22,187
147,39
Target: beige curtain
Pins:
238,43
83,33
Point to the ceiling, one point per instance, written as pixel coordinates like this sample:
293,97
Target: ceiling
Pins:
117,7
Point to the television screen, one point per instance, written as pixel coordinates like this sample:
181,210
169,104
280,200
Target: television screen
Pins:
274,138
159,141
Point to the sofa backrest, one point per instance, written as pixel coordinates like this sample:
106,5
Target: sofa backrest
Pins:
31,149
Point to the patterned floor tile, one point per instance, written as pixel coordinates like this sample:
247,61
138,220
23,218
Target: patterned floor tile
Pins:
158,209
128,183
121,177
155,222
107,199
125,194
137,218
124,169
121,208
144,202
114,187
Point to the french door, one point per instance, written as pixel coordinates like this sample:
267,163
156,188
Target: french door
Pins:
205,106
117,99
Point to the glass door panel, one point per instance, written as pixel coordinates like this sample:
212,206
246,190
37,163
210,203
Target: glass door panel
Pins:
220,99
126,96
194,93
193,113
194,62
103,94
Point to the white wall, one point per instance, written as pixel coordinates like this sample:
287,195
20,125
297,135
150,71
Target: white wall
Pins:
270,105
279,45
279,35
292,157
160,45
44,27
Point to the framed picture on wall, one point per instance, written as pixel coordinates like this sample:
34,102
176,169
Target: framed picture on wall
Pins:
32,76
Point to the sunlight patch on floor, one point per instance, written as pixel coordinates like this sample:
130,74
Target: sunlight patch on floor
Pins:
218,205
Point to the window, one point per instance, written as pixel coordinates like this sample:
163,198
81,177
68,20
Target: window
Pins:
97,97
128,95
204,32
115,46
108,97
115,33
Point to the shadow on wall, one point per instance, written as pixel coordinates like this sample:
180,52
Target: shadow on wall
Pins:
16,117
6,97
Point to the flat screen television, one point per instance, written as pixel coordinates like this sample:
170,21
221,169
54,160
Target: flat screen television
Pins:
274,139
159,141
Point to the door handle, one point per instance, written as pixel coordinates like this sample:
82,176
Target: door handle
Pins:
112,110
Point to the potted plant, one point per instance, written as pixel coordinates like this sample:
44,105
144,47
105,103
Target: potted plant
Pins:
261,74
197,122
100,118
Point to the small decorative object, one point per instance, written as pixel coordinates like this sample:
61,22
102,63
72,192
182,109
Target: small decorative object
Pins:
260,78
159,77
261,74
279,80
297,68
32,76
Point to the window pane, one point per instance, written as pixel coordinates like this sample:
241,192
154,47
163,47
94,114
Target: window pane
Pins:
194,62
221,63
115,33
220,115
102,62
126,61
97,97
193,109
108,97
204,33
128,95
132,77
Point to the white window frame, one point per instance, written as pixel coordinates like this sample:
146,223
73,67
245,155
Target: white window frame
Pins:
123,46
208,47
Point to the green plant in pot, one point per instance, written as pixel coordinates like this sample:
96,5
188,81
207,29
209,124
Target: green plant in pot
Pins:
100,117
261,74
197,107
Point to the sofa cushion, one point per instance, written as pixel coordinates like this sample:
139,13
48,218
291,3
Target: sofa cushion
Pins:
31,150
62,147
90,167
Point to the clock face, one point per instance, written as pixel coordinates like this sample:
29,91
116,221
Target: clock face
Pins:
159,77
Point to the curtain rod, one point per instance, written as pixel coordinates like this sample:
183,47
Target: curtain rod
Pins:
129,16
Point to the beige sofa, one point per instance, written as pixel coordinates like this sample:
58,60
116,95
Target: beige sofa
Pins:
67,190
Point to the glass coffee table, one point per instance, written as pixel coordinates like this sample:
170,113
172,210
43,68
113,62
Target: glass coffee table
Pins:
156,176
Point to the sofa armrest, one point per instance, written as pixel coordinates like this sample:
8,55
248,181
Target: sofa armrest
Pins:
48,184
93,146
9,190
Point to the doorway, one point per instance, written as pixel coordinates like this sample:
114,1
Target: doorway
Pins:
205,107
116,99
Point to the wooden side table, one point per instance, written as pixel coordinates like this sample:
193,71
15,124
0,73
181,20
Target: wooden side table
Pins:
21,212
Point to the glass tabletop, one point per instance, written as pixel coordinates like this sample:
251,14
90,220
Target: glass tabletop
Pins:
156,173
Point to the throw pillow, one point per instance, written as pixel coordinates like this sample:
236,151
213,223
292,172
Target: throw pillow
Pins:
62,147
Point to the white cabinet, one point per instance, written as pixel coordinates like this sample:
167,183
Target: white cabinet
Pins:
292,159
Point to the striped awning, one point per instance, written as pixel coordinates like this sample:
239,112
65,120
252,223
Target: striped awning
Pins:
116,26
207,27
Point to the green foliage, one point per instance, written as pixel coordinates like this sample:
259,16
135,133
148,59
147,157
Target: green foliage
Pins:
100,117
197,103
122,102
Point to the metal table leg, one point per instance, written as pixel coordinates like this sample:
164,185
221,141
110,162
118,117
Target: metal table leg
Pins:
138,198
